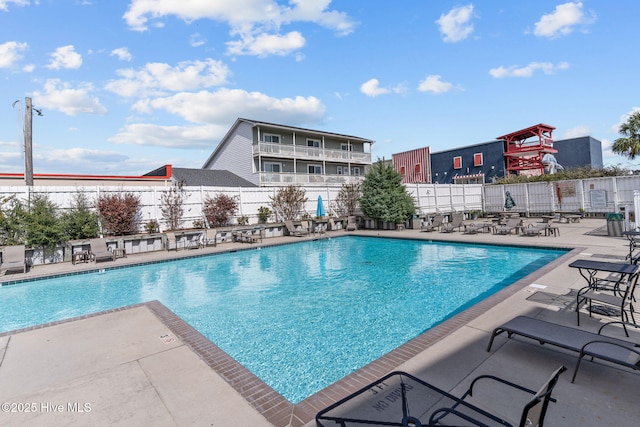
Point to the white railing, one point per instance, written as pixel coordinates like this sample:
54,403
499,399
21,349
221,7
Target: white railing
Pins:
289,151
272,178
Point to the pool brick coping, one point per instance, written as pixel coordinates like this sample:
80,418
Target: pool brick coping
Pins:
273,406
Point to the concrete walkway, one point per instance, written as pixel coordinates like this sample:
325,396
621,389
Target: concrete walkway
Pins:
134,367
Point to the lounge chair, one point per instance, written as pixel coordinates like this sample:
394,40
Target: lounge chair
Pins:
100,251
295,231
210,237
401,399
456,222
511,225
585,343
477,228
351,224
533,229
435,224
171,242
13,258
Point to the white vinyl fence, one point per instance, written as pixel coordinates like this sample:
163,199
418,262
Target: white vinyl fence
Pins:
591,196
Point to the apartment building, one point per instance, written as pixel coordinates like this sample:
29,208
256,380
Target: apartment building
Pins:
267,154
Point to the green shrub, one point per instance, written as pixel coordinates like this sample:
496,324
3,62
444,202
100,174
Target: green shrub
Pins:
80,222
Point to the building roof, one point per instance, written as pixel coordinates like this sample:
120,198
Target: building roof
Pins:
211,178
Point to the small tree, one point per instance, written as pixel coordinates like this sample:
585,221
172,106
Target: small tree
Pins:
348,197
218,209
119,212
384,197
12,221
43,224
80,222
629,144
172,205
289,201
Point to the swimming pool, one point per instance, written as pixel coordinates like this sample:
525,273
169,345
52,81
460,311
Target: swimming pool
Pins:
298,316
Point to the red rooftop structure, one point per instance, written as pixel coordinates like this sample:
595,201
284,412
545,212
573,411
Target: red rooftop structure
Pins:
524,155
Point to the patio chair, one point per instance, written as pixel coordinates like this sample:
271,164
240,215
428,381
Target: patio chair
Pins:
533,229
609,301
210,237
533,412
293,230
508,227
435,224
456,222
351,224
13,258
585,343
476,228
100,251
171,242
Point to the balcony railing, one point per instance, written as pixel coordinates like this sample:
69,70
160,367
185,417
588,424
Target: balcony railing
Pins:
271,178
288,151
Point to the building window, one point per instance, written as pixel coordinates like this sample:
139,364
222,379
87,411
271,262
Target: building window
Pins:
356,171
314,169
477,159
417,168
339,170
272,167
313,143
402,170
346,147
268,137
457,162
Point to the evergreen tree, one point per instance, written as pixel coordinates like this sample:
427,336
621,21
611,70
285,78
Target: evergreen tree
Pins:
44,228
80,222
384,197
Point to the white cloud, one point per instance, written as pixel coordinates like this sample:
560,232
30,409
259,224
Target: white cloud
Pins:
372,88
196,40
10,53
158,78
72,156
253,21
4,4
65,57
61,96
169,136
623,119
264,44
576,132
122,53
226,105
562,21
528,70
434,84
455,25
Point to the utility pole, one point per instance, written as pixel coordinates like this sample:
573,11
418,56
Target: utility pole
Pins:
28,143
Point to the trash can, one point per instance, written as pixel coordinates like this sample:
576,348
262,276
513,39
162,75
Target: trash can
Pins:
614,224
416,222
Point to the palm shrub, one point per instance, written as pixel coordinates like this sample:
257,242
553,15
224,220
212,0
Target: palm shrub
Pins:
219,208
43,224
119,213
289,201
80,221
384,197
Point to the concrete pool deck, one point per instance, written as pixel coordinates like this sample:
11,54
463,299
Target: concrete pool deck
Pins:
143,365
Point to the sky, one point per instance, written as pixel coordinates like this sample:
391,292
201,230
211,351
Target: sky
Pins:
127,86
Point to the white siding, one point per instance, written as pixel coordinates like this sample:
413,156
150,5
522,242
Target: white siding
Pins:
235,155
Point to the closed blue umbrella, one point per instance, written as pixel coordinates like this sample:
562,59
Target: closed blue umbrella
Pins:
320,208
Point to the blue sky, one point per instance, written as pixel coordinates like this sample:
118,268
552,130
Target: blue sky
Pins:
128,86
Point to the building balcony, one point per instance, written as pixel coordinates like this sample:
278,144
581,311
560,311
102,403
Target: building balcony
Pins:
271,178
299,152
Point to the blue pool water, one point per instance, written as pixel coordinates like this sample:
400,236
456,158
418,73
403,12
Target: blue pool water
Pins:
298,316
